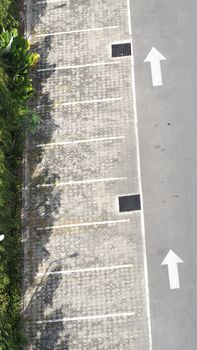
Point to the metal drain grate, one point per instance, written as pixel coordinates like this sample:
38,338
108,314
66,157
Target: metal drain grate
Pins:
129,203
119,50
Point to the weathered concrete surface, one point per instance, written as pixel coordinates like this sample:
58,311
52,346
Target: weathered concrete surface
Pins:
84,285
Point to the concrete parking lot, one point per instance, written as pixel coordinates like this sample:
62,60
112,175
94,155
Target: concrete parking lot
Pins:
85,278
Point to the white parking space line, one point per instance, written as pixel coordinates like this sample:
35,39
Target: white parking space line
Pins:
85,318
70,183
140,183
75,31
94,223
103,100
99,139
49,1
91,269
77,66
91,101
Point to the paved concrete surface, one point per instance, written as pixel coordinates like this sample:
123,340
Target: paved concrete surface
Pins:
84,269
167,129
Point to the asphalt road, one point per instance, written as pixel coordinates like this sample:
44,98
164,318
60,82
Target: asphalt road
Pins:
167,117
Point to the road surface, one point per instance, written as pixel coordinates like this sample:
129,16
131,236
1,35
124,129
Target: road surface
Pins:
167,119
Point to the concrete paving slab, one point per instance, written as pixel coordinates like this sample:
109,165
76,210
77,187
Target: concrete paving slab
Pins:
84,121
86,247
120,333
92,46
85,161
68,16
77,225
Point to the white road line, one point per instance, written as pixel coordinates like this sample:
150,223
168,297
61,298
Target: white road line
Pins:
78,66
140,185
70,183
76,31
49,1
94,223
92,101
100,139
92,269
55,104
129,16
85,318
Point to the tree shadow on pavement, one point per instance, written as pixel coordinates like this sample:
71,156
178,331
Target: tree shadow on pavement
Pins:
40,207
43,335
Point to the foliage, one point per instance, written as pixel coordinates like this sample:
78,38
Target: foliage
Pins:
16,61
8,14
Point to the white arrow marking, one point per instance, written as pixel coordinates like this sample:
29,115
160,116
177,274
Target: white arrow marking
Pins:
172,260
154,57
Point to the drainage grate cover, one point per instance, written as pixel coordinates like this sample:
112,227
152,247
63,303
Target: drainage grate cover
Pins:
129,203
119,50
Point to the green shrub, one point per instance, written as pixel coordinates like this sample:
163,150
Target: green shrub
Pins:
16,61
8,14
